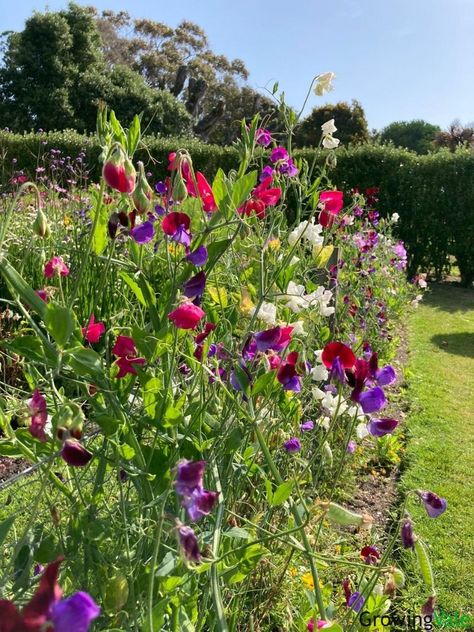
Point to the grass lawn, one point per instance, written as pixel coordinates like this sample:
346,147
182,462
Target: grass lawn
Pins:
440,451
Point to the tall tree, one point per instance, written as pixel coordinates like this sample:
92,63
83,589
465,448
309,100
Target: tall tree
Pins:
417,135
457,135
54,73
349,119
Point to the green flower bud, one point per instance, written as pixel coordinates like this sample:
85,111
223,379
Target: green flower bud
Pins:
41,226
143,193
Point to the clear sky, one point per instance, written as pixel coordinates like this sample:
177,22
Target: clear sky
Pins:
402,59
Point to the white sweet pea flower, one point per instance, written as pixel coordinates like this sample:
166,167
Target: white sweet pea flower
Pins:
321,297
324,83
329,142
329,128
319,373
298,328
309,231
294,297
324,422
395,217
267,312
362,431
319,355
318,393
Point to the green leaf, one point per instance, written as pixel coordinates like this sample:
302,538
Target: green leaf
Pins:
173,416
59,322
21,287
242,379
29,347
134,285
117,130
126,452
215,250
85,362
242,188
5,527
133,135
151,390
237,532
219,187
99,239
282,493
263,383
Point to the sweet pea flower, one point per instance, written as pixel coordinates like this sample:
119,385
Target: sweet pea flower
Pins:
93,331
267,172
320,624
381,427
338,350
370,555
46,610
198,257
198,501
287,374
407,535
186,316
194,287
205,193
39,415
329,142
43,294
266,312
331,203
126,352
372,400
329,127
189,544
143,233
261,198
293,445
306,426
55,266
278,154
275,339
75,454
434,505
263,137
176,225
324,83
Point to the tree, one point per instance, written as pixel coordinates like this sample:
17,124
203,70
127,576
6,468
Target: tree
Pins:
54,73
417,135
457,135
180,61
349,119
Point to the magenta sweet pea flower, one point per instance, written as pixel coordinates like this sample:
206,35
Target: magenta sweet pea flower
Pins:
55,266
339,350
275,339
287,374
39,415
176,225
407,535
198,501
434,505
74,613
370,555
263,137
278,154
126,352
332,202
186,316
351,447
321,623
267,172
43,294
143,233
75,454
381,427
205,193
93,331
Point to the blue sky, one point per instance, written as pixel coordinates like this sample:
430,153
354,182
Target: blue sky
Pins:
402,59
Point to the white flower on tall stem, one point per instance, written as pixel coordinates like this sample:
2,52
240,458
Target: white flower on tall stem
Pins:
324,83
266,312
328,129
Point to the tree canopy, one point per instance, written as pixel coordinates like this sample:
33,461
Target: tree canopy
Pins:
417,135
349,119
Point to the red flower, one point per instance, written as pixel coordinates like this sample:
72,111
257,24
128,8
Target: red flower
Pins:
262,197
205,193
126,352
55,266
339,350
333,202
118,171
93,331
186,316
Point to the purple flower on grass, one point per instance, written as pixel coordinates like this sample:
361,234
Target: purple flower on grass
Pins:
293,445
356,601
337,371
197,500
351,447
406,534
386,375
195,286
372,400
307,426
198,257
143,233
200,503
75,613
434,505
189,544
381,427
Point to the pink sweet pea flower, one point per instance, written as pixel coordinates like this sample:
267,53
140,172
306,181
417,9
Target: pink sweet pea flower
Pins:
332,202
186,316
43,294
205,193
93,331
262,197
55,266
39,415
126,352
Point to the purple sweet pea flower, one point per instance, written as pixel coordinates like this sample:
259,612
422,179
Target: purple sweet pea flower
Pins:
351,447
182,236
200,503
74,613
189,476
198,257
159,210
381,427
266,173
434,505
143,233
372,400
337,371
293,445
189,544
288,168
407,536
195,286
356,601
279,153
263,137
267,339
161,188
386,376
306,426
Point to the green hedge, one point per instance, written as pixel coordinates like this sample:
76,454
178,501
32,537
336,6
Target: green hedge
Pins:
433,194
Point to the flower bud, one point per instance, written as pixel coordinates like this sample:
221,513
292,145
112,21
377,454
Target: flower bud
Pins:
179,191
116,594
41,226
118,171
143,193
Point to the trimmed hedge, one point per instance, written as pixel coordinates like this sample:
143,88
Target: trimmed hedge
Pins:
433,194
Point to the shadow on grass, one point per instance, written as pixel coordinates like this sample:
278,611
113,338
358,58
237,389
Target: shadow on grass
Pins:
450,297
458,344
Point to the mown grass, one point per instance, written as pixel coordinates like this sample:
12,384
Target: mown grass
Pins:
440,451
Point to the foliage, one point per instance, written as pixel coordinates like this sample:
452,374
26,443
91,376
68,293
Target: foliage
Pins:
456,136
212,360
350,121
418,135
54,75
